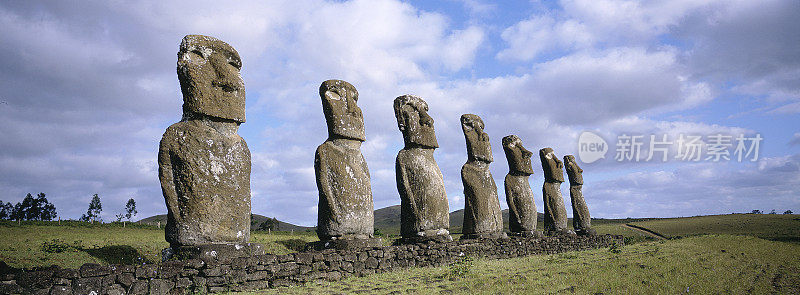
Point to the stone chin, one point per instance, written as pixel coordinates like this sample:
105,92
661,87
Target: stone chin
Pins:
483,153
425,138
522,166
353,128
479,149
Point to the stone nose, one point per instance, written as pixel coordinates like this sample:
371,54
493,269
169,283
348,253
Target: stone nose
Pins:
425,119
228,77
352,107
525,152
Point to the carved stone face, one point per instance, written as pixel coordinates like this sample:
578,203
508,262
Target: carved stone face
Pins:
551,165
208,70
413,120
342,114
478,146
574,172
519,158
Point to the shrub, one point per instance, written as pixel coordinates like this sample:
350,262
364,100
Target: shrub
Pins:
461,268
55,246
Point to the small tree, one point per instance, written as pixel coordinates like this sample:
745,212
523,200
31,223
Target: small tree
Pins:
5,210
46,210
270,224
788,212
772,212
755,211
130,209
95,207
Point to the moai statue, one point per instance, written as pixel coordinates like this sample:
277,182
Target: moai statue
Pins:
345,196
482,217
203,164
521,207
423,202
580,212
555,214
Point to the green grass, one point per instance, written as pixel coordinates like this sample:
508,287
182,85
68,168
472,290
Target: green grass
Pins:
702,264
778,227
21,245
72,244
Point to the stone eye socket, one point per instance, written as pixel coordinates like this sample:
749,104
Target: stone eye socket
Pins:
198,53
235,64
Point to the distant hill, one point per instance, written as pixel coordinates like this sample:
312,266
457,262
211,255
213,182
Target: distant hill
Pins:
387,220
257,218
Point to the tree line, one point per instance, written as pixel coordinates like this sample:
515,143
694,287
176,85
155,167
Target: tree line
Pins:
40,209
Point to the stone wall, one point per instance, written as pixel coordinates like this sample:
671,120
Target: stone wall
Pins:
265,271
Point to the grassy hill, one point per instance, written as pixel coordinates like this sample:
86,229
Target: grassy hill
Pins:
777,227
256,219
716,264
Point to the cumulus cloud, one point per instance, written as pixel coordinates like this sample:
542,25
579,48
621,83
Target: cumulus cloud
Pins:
704,188
86,90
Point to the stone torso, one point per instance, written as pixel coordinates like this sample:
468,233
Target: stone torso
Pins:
210,171
421,186
522,210
345,195
482,208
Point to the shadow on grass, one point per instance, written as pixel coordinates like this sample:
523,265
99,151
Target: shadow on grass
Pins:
793,240
117,254
293,244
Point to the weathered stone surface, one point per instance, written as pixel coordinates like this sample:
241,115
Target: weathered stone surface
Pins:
216,252
482,218
94,270
581,221
88,285
208,71
519,196
204,165
555,214
345,196
423,200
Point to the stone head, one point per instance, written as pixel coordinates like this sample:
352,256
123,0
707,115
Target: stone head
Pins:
478,146
574,172
342,114
519,158
551,165
415,123
211,83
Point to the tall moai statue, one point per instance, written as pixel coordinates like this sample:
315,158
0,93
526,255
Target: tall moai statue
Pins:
521,207
204,165
581,220
424,212
555,214
482,217
345,196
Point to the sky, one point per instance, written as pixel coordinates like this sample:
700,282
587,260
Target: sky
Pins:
87,89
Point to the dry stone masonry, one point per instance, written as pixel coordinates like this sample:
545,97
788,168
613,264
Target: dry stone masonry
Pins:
581,221
482,217
198,276
345,217
204,165
521,207
424,212
555,214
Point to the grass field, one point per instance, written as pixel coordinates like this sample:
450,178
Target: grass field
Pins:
708,264
777,227
699,263
34,244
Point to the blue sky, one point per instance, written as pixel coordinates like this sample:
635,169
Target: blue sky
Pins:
87,89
